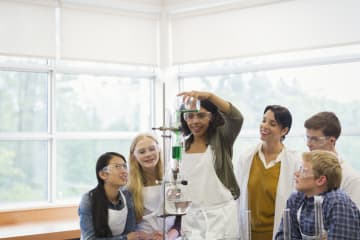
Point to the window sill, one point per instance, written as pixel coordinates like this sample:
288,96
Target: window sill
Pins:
45,223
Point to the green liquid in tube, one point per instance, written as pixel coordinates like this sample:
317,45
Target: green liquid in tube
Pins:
176,152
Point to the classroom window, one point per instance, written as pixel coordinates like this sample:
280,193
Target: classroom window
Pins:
303,85
58,117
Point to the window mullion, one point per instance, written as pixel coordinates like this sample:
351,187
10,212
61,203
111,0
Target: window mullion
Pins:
52,140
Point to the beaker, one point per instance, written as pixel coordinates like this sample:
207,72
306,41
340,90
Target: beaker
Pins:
187,104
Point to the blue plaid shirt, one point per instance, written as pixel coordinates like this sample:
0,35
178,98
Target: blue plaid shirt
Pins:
341,216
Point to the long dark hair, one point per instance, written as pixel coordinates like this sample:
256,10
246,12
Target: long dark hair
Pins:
99,202
282,116
216,121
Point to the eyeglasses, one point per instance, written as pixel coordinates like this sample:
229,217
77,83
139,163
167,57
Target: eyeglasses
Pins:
316,140
304,172
199,115
117,166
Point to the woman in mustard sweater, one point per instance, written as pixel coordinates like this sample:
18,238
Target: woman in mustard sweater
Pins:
265,175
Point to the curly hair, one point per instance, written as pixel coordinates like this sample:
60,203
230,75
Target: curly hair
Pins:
216,121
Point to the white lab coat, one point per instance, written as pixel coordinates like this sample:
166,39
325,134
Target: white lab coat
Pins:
350,182
290,162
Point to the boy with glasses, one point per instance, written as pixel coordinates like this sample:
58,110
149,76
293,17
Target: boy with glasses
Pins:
320,177
322,131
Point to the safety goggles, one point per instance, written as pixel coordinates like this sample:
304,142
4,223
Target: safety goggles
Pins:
199,115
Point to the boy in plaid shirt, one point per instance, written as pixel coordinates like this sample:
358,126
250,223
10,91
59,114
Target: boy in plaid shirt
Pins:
320,175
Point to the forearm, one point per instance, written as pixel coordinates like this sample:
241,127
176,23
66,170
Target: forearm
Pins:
222,105
233,123
175,229
172,234
91,236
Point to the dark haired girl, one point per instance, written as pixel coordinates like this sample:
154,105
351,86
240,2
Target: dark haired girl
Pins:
106,212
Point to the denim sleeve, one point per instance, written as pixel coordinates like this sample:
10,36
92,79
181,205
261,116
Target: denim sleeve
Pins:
86,224
131,219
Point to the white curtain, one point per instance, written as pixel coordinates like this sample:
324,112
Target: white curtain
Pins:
286,26
27,28
108,36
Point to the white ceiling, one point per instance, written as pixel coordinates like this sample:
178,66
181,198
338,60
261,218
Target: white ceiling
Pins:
170,6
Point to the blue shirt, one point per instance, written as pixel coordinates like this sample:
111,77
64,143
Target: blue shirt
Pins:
86,224
341,217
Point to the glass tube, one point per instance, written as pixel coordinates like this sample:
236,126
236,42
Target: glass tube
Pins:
286,224
320,232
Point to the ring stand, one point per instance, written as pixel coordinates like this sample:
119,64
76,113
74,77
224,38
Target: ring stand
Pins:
174,199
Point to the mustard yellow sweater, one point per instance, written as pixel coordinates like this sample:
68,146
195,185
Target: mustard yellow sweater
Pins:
262,188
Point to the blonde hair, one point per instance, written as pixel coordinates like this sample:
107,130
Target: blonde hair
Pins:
325,163
137,178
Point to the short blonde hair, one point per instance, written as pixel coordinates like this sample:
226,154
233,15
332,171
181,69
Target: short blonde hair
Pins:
325,163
